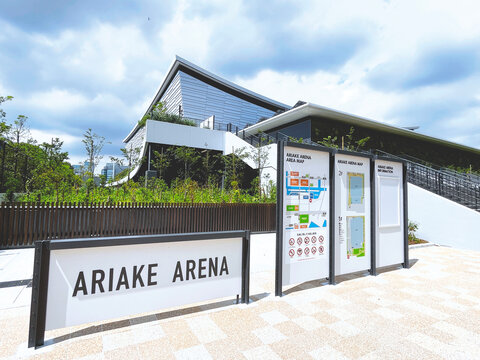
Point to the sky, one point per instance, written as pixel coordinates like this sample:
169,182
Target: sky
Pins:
74,65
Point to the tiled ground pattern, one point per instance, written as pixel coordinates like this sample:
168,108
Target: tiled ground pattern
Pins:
430,311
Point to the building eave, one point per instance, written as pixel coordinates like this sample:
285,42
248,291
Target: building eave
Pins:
312,110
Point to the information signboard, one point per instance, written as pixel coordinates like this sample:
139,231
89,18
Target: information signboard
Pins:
352,213
390,213
305,190
85,280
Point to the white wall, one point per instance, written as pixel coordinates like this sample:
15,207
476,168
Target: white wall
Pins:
174,134
443,221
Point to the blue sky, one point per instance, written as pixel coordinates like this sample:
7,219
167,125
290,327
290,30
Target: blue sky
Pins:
72,65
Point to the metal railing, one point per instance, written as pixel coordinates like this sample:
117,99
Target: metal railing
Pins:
456,186
448,184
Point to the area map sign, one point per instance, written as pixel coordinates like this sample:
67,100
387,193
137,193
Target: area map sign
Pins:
352,213
305,213
338,212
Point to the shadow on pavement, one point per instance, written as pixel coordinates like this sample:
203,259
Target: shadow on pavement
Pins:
149,318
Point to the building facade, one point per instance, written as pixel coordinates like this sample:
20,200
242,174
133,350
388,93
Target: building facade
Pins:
238,113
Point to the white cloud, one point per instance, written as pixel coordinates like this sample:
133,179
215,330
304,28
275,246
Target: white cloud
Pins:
322,88
107,73
42,136
56,100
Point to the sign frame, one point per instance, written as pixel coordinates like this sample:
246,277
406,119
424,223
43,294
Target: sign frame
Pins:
406,259
370,158
279,211
43,248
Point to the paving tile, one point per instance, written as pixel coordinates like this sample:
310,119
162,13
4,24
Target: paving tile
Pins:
205,329
261,352
327,352
438,347
388,313
308,323
198,352
274,317
269,335
344,328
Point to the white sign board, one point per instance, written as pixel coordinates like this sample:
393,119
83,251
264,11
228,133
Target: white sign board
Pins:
306,212
389,213
352,214
98,283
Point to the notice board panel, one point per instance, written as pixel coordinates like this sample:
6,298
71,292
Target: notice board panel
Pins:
305,213
390,232
352,213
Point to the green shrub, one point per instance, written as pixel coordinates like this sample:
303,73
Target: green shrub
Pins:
412,229
158,113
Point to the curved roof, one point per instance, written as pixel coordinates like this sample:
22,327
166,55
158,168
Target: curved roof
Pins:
180,64
309,109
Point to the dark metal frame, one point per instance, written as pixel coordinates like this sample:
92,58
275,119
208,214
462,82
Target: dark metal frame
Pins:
370,158
279,212
42,263
406,260
405,263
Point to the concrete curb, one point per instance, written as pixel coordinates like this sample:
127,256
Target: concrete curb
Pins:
416,246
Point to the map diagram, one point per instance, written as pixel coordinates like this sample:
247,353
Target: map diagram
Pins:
355,236
306,206
356,191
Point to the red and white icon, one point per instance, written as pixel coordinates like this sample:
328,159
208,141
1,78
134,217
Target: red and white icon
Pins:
314,250
307,251
314,239
307,240
291,252
291,241
299,251
320,249
320,239
299,241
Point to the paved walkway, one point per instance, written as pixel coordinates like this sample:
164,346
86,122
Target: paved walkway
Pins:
429,311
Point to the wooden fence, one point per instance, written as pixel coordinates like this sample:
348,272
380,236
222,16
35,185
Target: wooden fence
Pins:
21,224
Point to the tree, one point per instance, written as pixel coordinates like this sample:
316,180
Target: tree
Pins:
188,156
234,165
161,161
93,146
54,174
348,141
19,130
2,100
132,157
209,162
260,158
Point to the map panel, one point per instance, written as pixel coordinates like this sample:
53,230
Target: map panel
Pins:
306,205
355,236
